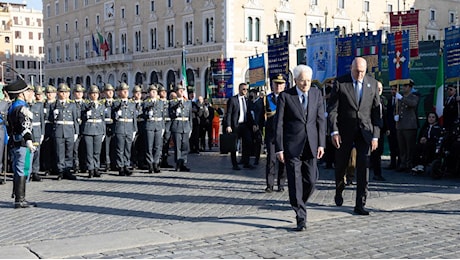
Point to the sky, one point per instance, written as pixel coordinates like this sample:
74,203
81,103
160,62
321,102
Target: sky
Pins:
32,4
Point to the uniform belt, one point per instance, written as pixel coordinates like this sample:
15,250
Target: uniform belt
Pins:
155,119
140,120
94,120
36,124
108,120
125,120
167,119
47,122
181,119
64,122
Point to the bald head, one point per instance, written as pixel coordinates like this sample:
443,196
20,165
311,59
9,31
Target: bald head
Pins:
358,68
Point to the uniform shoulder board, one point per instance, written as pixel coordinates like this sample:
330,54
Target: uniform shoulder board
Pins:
71,101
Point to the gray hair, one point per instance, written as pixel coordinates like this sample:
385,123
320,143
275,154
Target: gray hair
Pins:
302,68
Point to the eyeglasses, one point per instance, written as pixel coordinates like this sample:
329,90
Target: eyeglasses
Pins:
244,89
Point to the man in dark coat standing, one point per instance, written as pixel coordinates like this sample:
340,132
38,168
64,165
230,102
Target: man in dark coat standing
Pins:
300,139
354,116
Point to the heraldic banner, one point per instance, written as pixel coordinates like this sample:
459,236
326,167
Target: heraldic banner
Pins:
321,55
398,57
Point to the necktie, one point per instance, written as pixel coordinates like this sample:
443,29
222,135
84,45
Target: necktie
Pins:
304,102
244,107
358,91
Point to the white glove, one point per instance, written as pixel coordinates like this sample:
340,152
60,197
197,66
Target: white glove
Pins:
325,114
134,135
103,137
399,96
42,137
31,146
75,137
396,118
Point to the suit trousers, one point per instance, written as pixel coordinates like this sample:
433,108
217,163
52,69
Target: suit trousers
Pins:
342,158
181,146
302,175
124,143
244,133
93,144
64,153
407,139
271,171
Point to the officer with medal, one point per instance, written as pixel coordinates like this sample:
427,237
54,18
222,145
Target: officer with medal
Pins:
124,114
64,116
20,123
93,130
180,112
38,130
48,153
153,112
167,133
79,101
109,92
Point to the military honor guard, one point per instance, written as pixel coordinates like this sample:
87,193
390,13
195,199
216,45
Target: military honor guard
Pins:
167,133
48,153
107,155
4,105
138,150
124,114
93,130
38,130
66,130
180,111
153,113
78,93
20,122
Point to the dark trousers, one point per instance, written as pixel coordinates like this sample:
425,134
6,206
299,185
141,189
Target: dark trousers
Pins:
123,149
394,148
154,146
107,151
342,157
195,137
35,161
271,171
181,146
64,153
302,174
93,144
244,133
376,158
407,139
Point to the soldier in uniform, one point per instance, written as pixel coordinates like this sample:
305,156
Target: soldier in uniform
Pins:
124,114
20,122
93,130
79,101
153,112
48,153
167,133
38,130
180,111
64,116
106,145
138,149
4,105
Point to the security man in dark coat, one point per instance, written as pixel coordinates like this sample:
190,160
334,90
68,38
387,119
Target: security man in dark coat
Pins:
77,150
167,133
93,130
64,116
38,131
48,152
180,111
139,149
153,113
20,123
107,154
124,114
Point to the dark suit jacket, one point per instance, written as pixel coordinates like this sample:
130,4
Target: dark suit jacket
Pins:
345,114
294,128
233,113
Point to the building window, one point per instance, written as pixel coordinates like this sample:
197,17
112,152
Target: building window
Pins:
49,32
19,49
136,10
77,51
86,2
432,15
170,33
27,21
31,49
153,38
314,2
7,39
188,33
75,4
76,26
31,35
152,6
257,30
341,4
41,50
66,6
86,22
389,8
123,43
56,8
57,29
40,36
48,11
97,19
39,22
17,34
451,18
366,6
58,53
209,29
281,26
288,29
67,52
66,27
137,41
169,3
20,64
249,29
87,49
122,13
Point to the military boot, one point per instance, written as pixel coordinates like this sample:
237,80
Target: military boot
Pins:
156,168
20,193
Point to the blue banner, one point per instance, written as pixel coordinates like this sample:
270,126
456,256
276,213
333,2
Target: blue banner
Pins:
257,71
278,55
452,53
222,77
345,55
369,45
398,57
321,55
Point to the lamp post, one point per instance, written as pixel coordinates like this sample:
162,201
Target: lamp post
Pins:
3,72
325,19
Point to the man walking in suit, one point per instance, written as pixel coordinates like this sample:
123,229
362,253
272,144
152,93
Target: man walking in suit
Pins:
300,139
354,116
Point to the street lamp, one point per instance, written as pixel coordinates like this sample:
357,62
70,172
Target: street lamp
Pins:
325,19
3,72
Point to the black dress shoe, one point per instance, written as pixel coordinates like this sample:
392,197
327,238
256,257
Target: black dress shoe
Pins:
280,189
378,178
269,189
236,168
338,200
361,211
300,227
184,168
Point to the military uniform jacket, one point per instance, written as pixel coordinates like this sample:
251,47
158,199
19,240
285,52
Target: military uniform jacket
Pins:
166,115
270,112
124,114
153,114
108,104
65,119
180,112
20,122
79,104
407,112
47,107
38,121
92,115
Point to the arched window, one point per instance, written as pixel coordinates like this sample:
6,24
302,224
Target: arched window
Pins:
250,24
257,30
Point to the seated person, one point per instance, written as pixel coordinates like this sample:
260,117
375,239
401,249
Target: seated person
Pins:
426,144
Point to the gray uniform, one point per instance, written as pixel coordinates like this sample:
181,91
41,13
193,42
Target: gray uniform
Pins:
93,130
124,114
65,125
166,135
154,128
180,112
76,146
38,132
48,153
106,152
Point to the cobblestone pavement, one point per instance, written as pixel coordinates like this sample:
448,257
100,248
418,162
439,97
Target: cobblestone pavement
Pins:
215,212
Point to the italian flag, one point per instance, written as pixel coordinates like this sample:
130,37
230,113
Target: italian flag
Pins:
438,101
183,74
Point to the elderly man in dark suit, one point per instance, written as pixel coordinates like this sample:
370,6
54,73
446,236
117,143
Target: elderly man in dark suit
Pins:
238,120
354,117
300,139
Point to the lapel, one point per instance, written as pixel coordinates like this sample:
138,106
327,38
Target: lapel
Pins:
296,101
365,92
352,93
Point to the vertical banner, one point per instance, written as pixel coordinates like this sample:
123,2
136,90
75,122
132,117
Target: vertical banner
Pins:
345,55
368,45
452,53
278,55
257,71
222,77
321,55
402,21
398,57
